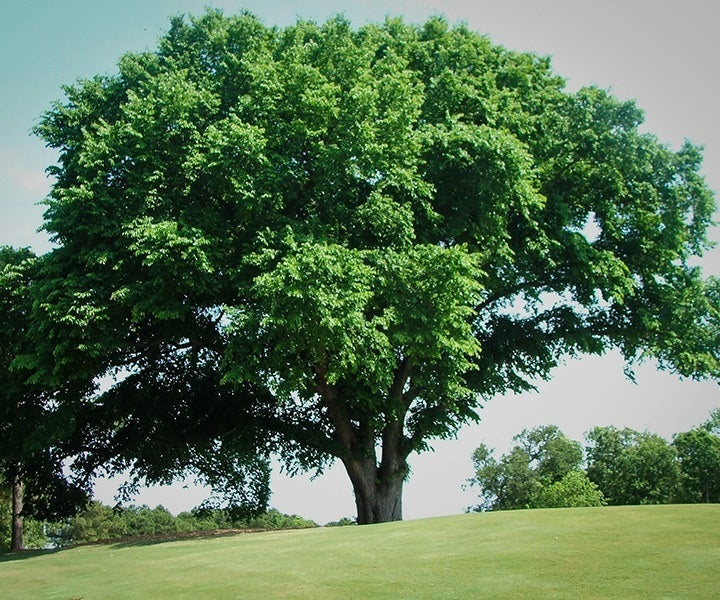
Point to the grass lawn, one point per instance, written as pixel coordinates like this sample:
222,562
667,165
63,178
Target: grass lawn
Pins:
613,552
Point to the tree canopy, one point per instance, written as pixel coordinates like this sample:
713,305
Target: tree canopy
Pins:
345,239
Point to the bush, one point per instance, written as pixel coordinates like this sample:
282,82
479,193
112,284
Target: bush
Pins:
274,519
574,489
96,523
342,522
102,523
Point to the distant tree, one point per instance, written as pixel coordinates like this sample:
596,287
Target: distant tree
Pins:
698,452
713,423
573,490
632,467
552,455
503,484
143,520
346,239
96,523
541,457
274,519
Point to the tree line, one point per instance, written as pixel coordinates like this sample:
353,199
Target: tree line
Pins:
98,522
545,469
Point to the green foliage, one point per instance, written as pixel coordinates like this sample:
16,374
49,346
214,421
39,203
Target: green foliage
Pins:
552,455
623,467
698,453
347,239
713,423
38,425
96,523
274,519
99,523
632,467
541,458
506,483
36,533
343,522
574,490
5,518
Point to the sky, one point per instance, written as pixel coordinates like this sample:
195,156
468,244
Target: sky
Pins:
662,54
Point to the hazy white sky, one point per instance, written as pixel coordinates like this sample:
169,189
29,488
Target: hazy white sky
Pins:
663,54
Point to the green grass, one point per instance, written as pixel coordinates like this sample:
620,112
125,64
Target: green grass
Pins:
615,552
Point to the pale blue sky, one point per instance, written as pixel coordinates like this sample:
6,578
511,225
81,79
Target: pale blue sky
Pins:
663,54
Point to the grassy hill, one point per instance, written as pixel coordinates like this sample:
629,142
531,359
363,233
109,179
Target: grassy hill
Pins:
614,552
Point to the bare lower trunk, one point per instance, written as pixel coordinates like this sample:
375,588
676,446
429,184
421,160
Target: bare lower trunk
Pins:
377,487
378,491
16,541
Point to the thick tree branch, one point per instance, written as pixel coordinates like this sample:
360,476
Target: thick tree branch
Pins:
402,374
336,411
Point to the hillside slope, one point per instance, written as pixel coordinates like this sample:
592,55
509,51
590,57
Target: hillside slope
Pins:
613,552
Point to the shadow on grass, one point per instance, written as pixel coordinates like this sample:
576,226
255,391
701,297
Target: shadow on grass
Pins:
153,540
25,554
142,540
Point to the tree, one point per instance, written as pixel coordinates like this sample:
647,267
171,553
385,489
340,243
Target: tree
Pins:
542,457
37,431
359,235
698,453
36,534
632,467
505,484
573,490
552,455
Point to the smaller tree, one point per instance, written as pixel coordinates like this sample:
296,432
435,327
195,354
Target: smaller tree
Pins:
507,483
37,430
36,533
632,467
573,490
96,523
552,454
541,457
698,453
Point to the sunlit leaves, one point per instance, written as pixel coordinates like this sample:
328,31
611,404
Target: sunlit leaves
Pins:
163,243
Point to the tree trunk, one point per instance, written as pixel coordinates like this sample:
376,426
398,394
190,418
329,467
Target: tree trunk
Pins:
16,542
378,490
